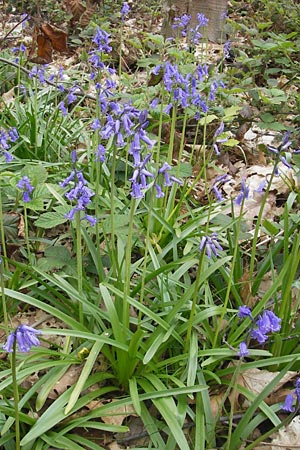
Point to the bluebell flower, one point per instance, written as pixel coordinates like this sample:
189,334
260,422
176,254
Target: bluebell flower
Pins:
168,179
297,389
72,97
243,195
38,72
79,194
25,18
221,179
261,186
217,139
280,151
288,403
140,177
25,338
62,107
102,39
159,192
243,350
195,34
259,335
211,245
25,185
266,323
226,49
182,22
124,10
6,137
202,20
244,311
100,153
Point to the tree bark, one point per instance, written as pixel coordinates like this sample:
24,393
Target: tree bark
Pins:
214,10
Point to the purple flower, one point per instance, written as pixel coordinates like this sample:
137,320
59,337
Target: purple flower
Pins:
125,10
72,97
182,22
226,49
79,194
62,108
38,72
288,403
297,389
259,336
202,20
100,153
243,195
243,350
169,179
217,140
25,185
139,178
244,311
102,39
268,322
221,179
211,245
25,337
159,192
280,151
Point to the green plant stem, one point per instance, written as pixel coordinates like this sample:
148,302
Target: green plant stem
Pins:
230,280
194,303
125,309
257,226
3,243
27,235
114,263
234,383
3,299
79,263
16,393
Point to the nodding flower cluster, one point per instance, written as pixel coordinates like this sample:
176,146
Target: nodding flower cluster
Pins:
211,245
79,193
267,322
25,185
194,34
24,337
280,151
186,90
123,125
6,137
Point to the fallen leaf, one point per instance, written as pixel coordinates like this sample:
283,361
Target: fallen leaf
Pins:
255,380
57,37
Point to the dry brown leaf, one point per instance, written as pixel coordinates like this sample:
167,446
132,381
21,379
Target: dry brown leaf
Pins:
88,14
44,50
117,415
255,380
57,37
287,438
76,8
67,380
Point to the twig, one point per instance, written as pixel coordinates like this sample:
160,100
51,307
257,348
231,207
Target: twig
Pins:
12,29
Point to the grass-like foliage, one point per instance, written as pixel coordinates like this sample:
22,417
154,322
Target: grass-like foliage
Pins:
123,260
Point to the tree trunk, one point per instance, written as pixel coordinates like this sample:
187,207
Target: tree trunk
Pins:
214,10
